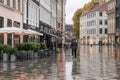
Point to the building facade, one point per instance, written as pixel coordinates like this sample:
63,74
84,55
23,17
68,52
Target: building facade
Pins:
43,16
83,25
94,29
111,21
117,21
10,16
61,21
31,18
68,33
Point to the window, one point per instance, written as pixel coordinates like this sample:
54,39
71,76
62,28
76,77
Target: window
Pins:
100,22
2,1
1,22
105,30
9,39
19,3
16,24
100,31
14,4
1,38
8,2
9,23
106,22
100,14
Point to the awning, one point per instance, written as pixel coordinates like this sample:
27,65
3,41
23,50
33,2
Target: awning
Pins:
32,32
51,35
11,30
19,30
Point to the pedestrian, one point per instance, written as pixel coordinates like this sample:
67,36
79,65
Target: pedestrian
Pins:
91,45
74,45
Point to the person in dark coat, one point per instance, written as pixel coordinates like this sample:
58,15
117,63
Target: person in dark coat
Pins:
74,46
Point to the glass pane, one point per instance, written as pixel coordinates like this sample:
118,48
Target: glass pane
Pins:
9,39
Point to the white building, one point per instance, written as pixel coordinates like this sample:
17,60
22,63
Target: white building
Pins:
111,21
10,16
93,25
83,25
45,11
54,13
31,18
31,13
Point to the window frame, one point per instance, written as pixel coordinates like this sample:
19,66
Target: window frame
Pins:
1,22
100,14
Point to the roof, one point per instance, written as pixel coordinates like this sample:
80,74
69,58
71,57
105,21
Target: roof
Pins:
102,7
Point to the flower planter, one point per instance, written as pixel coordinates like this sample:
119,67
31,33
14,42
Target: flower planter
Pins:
30,55
22,54
1,54
5,66
35,55
5,57
12,58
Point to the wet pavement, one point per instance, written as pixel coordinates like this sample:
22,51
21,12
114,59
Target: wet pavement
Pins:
97,63
92,63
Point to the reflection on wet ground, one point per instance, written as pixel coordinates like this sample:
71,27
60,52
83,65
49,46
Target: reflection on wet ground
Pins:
92,63
96,63
38,69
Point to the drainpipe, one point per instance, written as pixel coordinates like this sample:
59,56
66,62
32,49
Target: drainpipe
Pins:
27,12
39,20
62,26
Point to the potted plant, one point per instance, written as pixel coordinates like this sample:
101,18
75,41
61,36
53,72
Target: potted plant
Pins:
21,51
13,53
42,46
6,52
1,49
35,48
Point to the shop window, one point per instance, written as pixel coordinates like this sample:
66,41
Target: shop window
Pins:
9,39
1,38
1,22
25,38
9,23
16,39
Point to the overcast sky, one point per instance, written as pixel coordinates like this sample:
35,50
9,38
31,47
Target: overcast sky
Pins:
71,7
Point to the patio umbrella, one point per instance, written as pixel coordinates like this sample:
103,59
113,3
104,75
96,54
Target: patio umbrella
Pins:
32,32
11,30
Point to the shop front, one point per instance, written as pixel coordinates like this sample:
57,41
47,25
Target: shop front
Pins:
59,39
88,40
117,38
103,41
48,38
111,39
33,34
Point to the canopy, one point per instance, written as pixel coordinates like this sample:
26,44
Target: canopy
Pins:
29,31
11,30
19,30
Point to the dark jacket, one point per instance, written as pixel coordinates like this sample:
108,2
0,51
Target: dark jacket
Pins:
74,45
